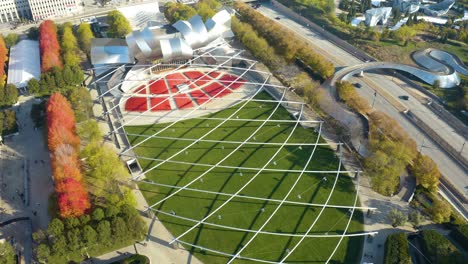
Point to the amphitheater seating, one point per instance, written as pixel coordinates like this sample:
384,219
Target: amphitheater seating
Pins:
199,96
216,90
201,90
160,104
136,104
198,77
229,79
183,101
158,87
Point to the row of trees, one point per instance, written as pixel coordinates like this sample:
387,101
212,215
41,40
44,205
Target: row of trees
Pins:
439,249
49,46
8,122
3,59
286,43
73,200
56,80
69,45
103,230
397,249
85,34
392,149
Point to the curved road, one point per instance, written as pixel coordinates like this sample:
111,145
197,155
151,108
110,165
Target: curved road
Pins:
386,87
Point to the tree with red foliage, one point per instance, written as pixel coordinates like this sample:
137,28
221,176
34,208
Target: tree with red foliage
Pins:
3,57
73,201
49,46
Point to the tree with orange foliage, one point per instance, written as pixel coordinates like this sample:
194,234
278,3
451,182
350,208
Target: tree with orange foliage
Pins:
3,57
49,46
73,199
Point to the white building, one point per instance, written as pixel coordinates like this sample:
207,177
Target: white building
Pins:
12,10
24,63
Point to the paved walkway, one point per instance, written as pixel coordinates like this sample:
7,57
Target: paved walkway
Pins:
26,182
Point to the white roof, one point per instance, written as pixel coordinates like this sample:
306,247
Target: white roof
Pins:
24,63
140,15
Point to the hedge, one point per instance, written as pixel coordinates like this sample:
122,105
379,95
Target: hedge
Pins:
460,234
397,249
439,249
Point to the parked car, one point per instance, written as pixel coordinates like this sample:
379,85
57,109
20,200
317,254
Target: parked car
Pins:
404,97
277,18
358,85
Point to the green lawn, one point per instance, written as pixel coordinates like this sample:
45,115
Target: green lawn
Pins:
246,213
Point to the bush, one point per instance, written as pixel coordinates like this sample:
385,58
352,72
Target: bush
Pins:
397,249
348,94
460,234
134,259
8,122
439,249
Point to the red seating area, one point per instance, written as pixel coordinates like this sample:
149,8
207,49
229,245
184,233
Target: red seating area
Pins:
229,79
199,96
198,77
136,104
174,79
183,101
141,89
216,90
160,104
158,87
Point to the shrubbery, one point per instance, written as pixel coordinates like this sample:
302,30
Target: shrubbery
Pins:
397,249
439,249
351,98
8,94
460,234
8,122
104,230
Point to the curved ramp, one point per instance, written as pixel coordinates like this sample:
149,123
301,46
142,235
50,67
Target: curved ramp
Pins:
446,80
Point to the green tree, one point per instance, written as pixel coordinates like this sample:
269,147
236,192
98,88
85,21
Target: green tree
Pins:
397,249
104,231
178,11
39,236
7,253
426,172
74,239
59,245
55,228
33,86
440,211
11,39
81,102
85,34
72,222
43,253
89,132
85,219
415,218
396,218
119,26
119,229
11,94
112,211
89,235
98,214
33,33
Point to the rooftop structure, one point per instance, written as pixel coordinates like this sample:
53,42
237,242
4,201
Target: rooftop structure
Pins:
411,6
376,15
107,51
24,63
12,10
140,15
147,44
439,9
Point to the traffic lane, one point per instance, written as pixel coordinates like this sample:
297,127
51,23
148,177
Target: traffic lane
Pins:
449,168
420,110
337,55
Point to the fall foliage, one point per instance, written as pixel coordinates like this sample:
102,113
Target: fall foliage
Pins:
73,199
3,56
49,46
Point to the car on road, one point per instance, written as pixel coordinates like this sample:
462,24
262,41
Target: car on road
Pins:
404,97
358,85
277,18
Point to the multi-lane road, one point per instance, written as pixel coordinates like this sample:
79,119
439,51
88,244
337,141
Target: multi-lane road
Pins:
387,91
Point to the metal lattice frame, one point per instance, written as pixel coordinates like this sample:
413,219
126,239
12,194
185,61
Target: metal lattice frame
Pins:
250,140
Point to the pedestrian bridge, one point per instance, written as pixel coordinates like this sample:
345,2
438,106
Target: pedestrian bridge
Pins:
439,66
